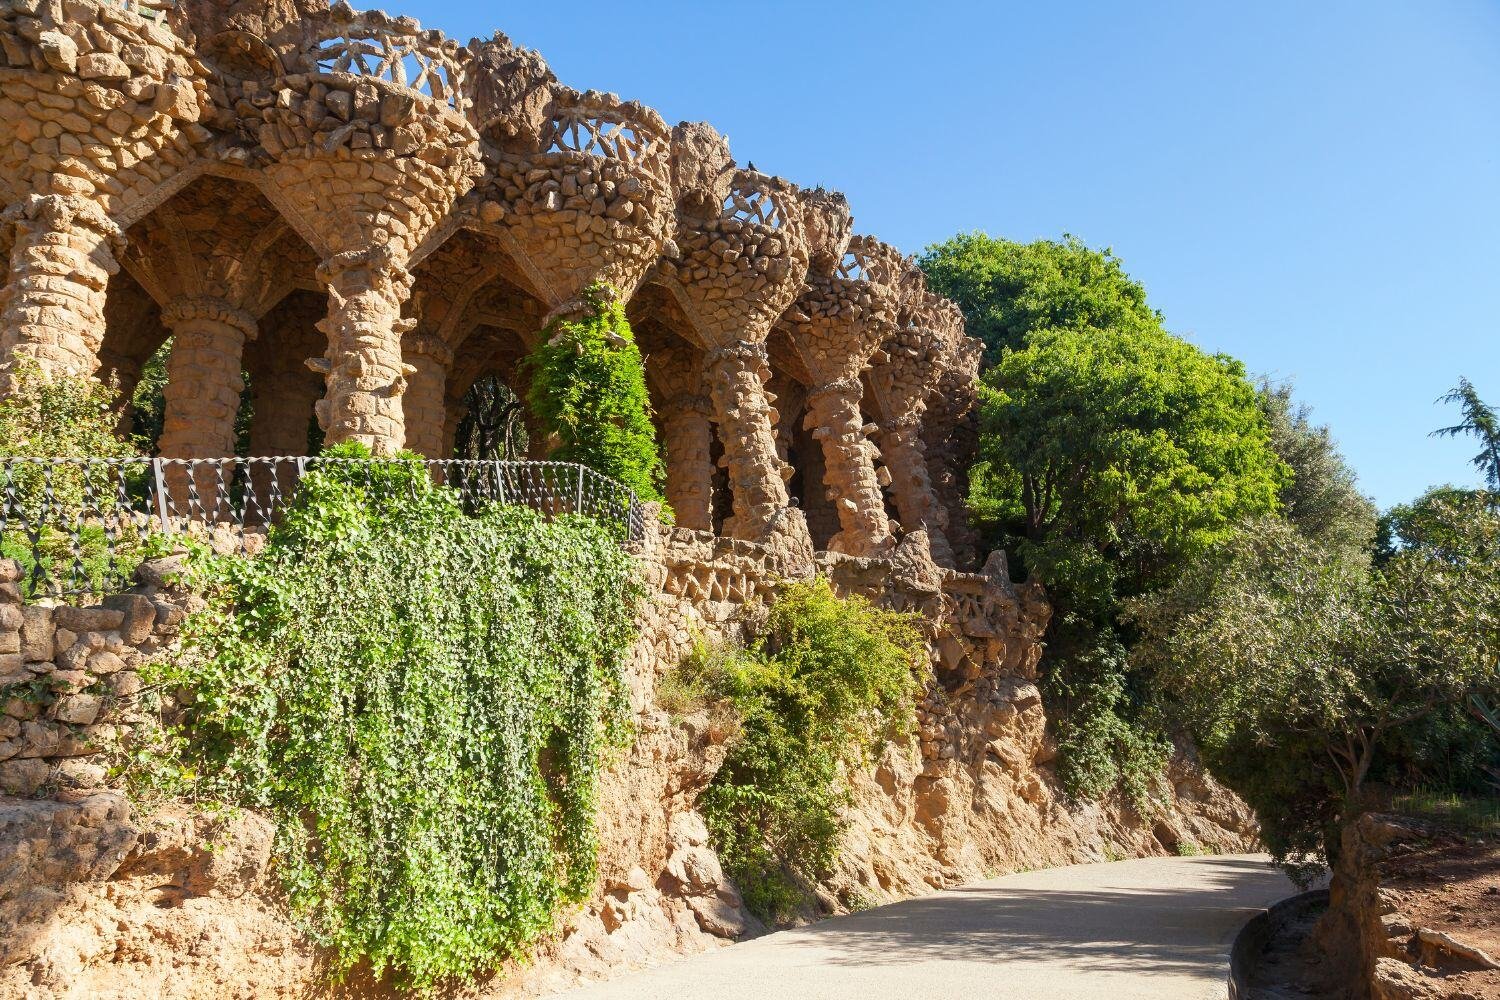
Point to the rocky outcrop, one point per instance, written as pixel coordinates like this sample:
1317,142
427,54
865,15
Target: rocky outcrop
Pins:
1377,938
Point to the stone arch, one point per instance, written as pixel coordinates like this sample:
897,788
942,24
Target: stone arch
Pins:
215,258
465,287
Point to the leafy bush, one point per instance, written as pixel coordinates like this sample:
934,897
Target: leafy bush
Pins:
588,388
420,699
828,684
1295,669
63,416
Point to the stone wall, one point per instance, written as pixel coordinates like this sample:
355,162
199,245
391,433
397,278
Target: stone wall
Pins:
69,681
181,903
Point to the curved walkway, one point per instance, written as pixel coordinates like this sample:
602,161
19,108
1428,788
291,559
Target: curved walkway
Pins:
1157,928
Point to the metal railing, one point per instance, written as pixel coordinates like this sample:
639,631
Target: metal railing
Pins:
78,525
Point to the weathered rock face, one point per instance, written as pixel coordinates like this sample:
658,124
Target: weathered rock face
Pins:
129,905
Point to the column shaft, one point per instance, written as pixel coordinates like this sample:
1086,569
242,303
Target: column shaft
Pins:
849,461
688,438
736,374
202,394
365,374
60,263
905,456
424,403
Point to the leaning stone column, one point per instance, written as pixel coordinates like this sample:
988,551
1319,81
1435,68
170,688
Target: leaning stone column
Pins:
736,383
423,405
60,262
905,457
834,417
687,435
365,374
202,394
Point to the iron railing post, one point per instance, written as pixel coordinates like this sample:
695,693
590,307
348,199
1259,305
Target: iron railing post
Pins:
160,478
582,471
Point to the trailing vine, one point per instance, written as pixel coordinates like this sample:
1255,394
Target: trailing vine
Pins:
831,682
588,389
421,700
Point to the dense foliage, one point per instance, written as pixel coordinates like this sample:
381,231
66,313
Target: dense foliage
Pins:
827,685
588,393
1295,668
420,698
61,416
1109,457
1320,497
1009,290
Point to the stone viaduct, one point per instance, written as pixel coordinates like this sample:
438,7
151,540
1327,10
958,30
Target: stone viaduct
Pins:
368,217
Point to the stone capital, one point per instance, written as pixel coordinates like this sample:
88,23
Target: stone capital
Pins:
747,352
845,387
428,345
207,307
39,214
385,263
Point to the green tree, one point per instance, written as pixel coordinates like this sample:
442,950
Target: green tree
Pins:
1009,290
1320,498
1109,457
1294,668
1479,421
588,394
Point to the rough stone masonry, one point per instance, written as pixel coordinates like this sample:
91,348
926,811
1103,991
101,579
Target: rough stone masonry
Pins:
368,218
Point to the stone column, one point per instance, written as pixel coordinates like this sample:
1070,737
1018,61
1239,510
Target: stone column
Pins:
905,457
848,456
202,394
687,436
736,382
363,368
424,404
284,403
60,262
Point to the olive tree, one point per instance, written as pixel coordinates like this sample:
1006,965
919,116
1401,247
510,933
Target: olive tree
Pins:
1293,667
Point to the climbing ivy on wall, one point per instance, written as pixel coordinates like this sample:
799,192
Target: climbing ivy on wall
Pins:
421,699
830,682
588,389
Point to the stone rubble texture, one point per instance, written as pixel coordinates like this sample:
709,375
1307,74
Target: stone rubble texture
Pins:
111,903
209,168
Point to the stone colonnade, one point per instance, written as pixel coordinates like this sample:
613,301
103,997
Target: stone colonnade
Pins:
352,178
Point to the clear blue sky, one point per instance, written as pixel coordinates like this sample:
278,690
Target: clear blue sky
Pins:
1313,187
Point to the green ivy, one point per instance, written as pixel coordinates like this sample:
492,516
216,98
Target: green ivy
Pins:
421,699
588,393
831,682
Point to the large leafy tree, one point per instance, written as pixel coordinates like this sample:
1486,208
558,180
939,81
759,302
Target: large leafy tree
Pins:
1320,499
1295,669
1008,290
1109,457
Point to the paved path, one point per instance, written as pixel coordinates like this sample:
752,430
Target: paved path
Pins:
1154,929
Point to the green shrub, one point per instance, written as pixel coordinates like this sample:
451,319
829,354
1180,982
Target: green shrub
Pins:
588,388
829,683
421,700
64,416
